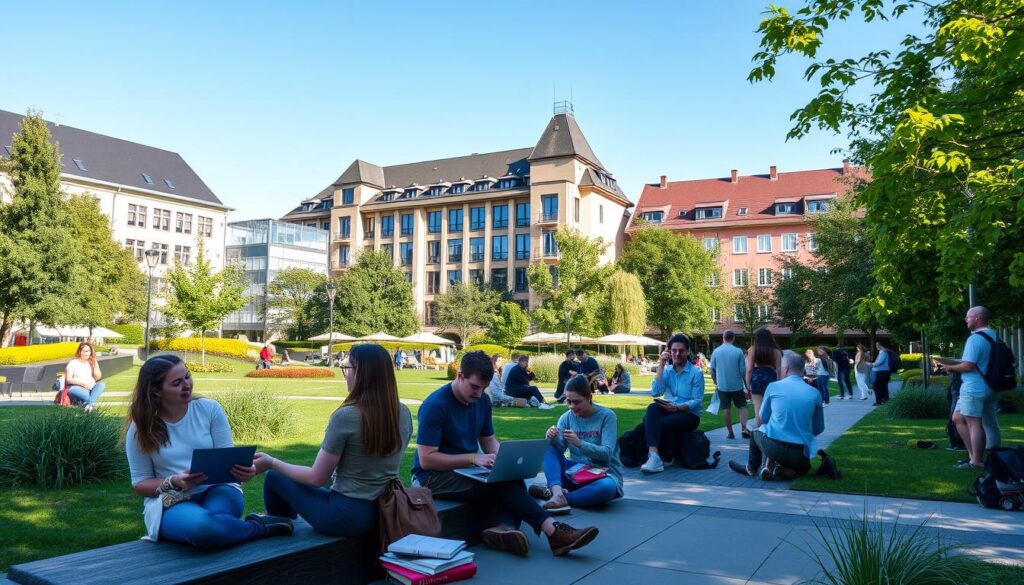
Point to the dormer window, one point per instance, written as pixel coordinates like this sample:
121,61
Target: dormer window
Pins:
482,186
652,216
507,183
457,189
390,195
818,205
785,208
435,191
741,211
409,193
80,164
709,213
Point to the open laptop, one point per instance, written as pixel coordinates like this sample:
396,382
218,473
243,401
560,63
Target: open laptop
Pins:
515,460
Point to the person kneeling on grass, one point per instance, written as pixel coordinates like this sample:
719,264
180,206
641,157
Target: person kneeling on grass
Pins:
166,425
362,449
793,416
590,432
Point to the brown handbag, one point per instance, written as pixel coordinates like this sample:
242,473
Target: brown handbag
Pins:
405,511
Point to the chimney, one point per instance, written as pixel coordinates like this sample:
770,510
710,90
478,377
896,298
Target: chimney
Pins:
846,166
735,177
773,172
664,182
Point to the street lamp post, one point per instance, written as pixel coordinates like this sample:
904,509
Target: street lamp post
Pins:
331,291
152,257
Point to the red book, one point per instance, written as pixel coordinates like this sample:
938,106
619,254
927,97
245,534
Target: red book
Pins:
409,577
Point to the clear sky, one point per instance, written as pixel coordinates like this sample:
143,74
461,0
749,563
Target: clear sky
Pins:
270,102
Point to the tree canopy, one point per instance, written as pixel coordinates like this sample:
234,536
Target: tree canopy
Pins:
509,326
466,309
627,305
575,290
373,295
288,302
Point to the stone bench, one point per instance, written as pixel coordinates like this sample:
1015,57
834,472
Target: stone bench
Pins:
38,377
304,558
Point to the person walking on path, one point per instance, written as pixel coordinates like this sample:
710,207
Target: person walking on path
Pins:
842,361
975,415
764,362
728,371
862,370
881,368
823,366
266,357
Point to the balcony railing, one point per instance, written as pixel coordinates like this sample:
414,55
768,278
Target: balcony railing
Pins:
546,253
368,233
342,236
547,217
455,257
522,222
522,254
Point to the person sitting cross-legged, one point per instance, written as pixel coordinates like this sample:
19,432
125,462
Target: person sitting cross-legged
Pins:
590,432
682,385
517,383
793,416
454,425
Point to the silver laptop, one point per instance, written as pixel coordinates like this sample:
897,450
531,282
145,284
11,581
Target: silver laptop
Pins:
515,460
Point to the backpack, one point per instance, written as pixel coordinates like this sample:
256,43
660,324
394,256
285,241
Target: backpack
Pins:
695,450
1002,485
633,447
895,363
691,451
1001,374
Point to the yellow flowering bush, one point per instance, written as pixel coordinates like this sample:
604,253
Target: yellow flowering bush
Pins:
12,356
232,348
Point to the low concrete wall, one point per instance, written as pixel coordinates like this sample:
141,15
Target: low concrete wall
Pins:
39,376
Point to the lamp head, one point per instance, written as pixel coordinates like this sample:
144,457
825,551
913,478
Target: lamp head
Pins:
152,257
331,291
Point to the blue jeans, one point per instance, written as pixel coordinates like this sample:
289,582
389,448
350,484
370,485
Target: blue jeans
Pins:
594,493
90,397
843,379
211,519
327,511
823,388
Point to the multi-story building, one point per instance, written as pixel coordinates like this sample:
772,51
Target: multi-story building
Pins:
480,218
152,196
265,247
750,219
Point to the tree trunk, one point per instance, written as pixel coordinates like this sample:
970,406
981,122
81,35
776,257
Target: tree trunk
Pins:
31,326
202,346
5,328
872,335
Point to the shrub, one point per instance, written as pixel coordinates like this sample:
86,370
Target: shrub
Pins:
919,403
209,367
232,348
62,448
391,346
12,356
133,334
292,372
257,415
912,360
545,366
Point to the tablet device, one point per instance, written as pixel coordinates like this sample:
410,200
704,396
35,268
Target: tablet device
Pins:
217,463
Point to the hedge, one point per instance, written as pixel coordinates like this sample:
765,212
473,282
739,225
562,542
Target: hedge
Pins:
231,348
133,334
286,372
26,354
391,346
209,367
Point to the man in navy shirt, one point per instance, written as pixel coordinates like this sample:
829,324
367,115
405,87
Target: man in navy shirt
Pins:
454,426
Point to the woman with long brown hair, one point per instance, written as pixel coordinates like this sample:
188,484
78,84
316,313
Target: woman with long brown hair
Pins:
165,425
362,449
82,377
764,362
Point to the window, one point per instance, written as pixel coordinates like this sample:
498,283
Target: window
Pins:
348,196
576,209
713,281
499,248
434,251
812,242
764,277
327,226
522,215
457,189
454,220
454,251
716,314
741,211
499,216
435,191
388,249
506,183
343,256
785,208
434,222
522,246
368,226
522,281
162,219
182,254
549,206
710,244
407,224
387,226
553,271
499,278
206,226
137,215
409,193
136,247
482,186
764,244
818,205
183,223
433,282
345,227
653,216
170,184
737,312
477,218
147,178
709,213
764,312
600,213
162,248
408,276
739,244
739,277
405,253
476,249
454,276
387,196
550,245
80,164
789,242
787,272
476,277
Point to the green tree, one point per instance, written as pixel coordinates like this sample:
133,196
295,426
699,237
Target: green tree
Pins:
509,326
747,308
288,302
465,309
627,306
937,122
793,299
34,243
575,288
675,271
373,295
199,297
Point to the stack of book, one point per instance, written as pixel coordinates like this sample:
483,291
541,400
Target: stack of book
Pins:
426,560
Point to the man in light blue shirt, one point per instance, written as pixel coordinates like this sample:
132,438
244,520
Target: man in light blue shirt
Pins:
728,372
793,417
975,413
678,390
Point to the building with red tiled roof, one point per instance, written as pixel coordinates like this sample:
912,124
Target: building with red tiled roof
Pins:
753,219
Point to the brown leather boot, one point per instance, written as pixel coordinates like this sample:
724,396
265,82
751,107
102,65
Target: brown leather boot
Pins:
506,539
566,538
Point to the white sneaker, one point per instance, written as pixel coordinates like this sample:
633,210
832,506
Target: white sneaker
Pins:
653,464
534,402
88,408
545,406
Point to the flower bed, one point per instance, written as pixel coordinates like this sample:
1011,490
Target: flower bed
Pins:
292,372
232,348
13,356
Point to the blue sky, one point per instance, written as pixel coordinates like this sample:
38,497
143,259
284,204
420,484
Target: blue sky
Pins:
269,102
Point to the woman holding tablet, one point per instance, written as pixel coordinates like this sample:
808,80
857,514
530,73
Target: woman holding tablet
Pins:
362,450
165,425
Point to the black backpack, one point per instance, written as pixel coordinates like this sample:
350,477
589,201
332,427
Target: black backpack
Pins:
1002,485
633,447
1001,374
895,363
695,450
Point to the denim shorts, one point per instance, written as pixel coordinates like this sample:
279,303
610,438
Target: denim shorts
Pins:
760,377
972,403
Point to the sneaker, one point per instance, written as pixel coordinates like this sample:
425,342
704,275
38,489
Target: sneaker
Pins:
967,465
781,473
654,464
739,468
767,471
506,539
88,408
533,402
545,406
557,505
272,525
566,538
540,492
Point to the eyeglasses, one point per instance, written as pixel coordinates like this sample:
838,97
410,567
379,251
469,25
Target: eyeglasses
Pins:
678,350
345,368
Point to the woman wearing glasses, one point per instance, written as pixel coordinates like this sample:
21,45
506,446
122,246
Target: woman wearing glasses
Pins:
362,450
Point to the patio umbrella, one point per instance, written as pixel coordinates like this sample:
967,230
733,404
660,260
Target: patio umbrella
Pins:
378,336
427,337
332,337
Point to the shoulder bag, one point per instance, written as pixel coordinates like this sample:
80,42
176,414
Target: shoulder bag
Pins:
406,510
